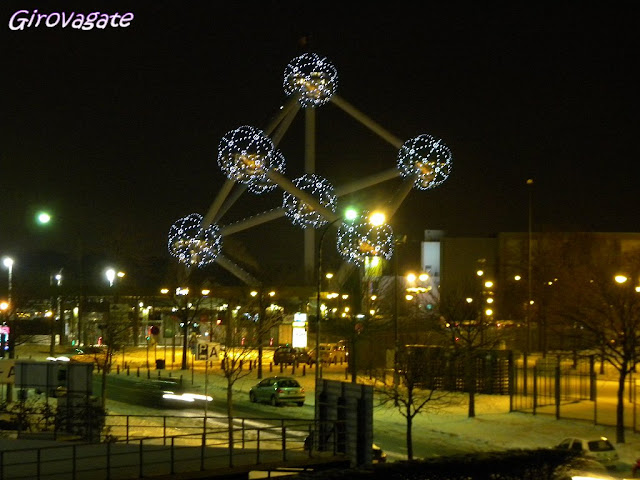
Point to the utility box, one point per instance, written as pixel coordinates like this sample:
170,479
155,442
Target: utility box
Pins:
77,414
55,378
346,410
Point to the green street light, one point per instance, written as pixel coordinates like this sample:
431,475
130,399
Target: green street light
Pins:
43,218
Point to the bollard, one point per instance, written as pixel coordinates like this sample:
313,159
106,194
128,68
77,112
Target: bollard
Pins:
281,367
304,367
346,373
117,369
148,373
270,366
138,371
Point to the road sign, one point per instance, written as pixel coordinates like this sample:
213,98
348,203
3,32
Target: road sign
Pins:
7,371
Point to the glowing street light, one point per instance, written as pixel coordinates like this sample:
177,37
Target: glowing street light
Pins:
111,275
377,219
43,218
620,279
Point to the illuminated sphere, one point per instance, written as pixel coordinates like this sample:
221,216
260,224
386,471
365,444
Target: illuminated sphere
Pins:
245,154
191,244
261,183
312,78
359,239
428,158
302,214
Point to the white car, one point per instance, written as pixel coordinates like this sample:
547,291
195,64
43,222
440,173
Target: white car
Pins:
599,449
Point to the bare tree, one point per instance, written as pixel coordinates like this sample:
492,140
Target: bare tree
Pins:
263,318
417,388
598,289
465,327
116,332
234,366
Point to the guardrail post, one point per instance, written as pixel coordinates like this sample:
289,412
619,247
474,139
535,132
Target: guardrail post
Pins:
230,442
524,375
284,443
173,456
74,466
258,446
535,389
557,392
127,429
141,459
204,442
243,432
108,460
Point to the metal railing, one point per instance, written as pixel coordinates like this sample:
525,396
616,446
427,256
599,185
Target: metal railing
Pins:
136,455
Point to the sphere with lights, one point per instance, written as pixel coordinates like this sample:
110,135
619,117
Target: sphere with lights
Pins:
245,154
261,183
314,79
302,214
360,239
193,245
426,158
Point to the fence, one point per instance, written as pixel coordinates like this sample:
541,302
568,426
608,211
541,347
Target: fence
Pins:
443,368
136,454
571,387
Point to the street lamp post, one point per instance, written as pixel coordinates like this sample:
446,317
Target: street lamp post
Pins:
318,310
528,304
8,262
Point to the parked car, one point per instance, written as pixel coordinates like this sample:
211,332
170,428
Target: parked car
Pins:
278,390
599,449
289,355
330,353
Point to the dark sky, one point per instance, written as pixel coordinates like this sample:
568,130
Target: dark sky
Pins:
116,131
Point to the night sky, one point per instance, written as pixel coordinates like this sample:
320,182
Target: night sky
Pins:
115,131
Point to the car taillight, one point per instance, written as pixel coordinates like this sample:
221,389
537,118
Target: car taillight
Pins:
280,390
301,389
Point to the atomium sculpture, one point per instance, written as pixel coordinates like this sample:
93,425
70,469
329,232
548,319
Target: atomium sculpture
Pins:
191,244
359,239
249,156
312,78
427,158
245,154
300,213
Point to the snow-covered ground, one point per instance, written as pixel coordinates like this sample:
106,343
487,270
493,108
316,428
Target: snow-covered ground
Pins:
443,431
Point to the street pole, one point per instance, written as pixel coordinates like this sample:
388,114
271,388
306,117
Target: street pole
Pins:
528,305
396,379
318,314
